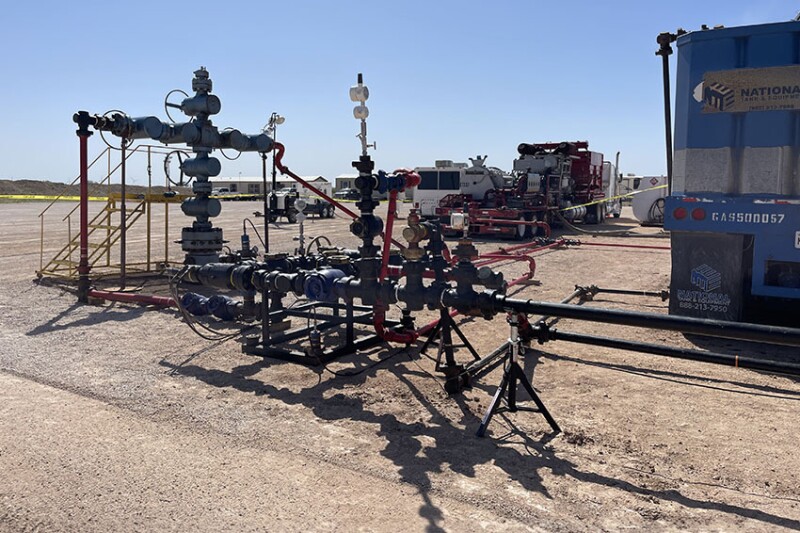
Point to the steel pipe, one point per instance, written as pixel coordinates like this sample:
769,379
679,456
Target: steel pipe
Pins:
146,299
700,326
678,353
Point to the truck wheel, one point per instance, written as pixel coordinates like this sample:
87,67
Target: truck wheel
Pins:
291,216
591,215
273,218
529,230
329,211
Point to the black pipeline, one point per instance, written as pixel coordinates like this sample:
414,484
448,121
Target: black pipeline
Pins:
494,301
545,334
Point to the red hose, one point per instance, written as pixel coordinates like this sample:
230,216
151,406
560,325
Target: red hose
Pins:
516,257
146,299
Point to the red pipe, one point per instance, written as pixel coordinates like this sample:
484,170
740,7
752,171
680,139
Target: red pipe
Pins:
388,231
378,317
516,247
427,327
517,257
525,254
146,299
83,264
279,151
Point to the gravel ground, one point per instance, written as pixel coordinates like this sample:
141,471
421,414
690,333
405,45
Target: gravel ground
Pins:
119,417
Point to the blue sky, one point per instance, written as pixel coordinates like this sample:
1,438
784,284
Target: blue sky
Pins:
448,79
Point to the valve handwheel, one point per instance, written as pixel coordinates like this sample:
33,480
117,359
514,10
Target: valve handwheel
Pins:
168,104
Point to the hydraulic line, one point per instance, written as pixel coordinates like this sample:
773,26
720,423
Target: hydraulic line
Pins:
278,158
510,222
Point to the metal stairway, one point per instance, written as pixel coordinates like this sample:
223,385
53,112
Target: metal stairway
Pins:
104,231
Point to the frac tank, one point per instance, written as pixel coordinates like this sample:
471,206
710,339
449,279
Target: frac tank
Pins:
736,110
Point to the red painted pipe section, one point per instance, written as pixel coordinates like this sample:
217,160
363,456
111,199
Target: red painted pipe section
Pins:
516,257
146,299
83,263
505,252
388,231
279,151
378,318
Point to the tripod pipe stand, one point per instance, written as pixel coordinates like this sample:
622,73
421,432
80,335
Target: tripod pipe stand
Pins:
507,390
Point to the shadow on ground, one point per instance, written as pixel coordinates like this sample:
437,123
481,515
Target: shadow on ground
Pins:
107,313
456,446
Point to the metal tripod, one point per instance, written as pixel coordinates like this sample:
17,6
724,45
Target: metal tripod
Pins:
456,376
507,390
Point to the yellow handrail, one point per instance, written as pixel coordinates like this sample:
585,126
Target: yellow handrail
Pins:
72,183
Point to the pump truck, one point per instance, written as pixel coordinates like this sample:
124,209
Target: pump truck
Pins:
551,182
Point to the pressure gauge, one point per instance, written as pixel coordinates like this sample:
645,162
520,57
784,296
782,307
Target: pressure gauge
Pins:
300,204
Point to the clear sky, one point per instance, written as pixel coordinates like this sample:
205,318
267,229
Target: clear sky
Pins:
448,79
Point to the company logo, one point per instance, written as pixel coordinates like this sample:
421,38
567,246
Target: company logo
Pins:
718,96
706,278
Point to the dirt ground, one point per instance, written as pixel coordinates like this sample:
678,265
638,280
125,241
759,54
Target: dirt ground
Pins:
118,417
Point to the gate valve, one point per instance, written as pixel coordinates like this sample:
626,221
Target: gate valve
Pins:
491,279
366,226
368,181
414,233
400,180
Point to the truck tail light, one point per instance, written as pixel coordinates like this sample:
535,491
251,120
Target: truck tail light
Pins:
698,213
680,213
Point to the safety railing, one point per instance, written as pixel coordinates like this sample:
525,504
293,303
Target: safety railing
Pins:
62,264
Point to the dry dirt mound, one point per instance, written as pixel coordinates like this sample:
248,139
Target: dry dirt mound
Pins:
51,188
